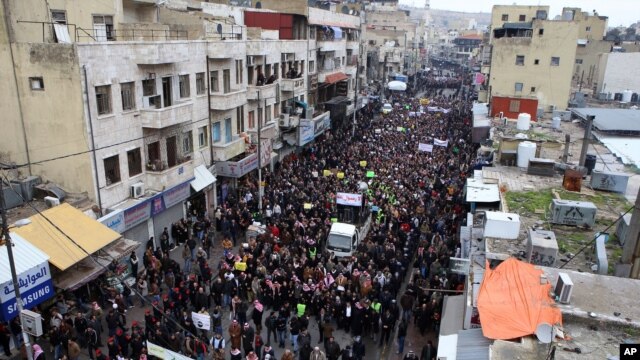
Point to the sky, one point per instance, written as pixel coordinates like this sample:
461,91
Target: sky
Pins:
620,12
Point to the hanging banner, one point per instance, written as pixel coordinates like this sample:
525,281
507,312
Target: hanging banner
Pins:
201,321
443,143
425,147
459,266
265,152
349,199
162,353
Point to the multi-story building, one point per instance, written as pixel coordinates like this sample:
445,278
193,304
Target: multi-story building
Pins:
531,60
137,104
591,43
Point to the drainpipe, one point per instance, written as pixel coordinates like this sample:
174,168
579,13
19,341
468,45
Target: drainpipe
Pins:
15,81
93,144
209,112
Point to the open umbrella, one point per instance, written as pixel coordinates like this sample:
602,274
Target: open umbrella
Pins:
397,85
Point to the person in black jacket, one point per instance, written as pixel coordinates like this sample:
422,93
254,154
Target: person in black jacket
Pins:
358,348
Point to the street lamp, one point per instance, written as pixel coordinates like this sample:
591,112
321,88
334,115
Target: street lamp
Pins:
14,277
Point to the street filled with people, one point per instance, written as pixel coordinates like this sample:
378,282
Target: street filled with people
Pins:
281,293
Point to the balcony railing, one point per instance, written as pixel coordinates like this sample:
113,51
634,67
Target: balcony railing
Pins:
255,92
292,84
229,150
179,173
132,35
168,116
228,101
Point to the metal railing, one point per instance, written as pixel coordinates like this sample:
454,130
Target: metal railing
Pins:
133,35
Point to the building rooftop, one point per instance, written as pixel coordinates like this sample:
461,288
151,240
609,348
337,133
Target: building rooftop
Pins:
611,120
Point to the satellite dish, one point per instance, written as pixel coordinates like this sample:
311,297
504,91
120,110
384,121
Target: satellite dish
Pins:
219,28
545,333
258,5
345,9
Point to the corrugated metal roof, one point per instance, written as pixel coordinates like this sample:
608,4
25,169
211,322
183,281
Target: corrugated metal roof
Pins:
472,345
625,147
611,119
25,256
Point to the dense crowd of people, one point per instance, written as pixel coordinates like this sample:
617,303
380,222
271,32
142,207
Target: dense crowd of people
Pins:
277,285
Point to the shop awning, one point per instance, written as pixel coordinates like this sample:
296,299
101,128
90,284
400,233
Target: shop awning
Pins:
204,178
66,234
33,273
334,78
90,268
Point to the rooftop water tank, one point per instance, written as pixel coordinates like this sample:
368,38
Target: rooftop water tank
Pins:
526,152
626,95
555,122
524,122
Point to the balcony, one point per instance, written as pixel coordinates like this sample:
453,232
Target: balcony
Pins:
159,177
231,100
261,92
268,131
168,116
292,85
226,151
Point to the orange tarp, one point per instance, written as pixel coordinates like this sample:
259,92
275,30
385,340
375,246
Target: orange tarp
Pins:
512,302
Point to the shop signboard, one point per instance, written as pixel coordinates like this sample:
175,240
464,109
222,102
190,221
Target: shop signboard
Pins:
114,221
321,124
237,169
137,214
306,132
176,194
459,266
35,287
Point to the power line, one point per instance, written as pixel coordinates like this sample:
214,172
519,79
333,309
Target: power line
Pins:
132,289
596,237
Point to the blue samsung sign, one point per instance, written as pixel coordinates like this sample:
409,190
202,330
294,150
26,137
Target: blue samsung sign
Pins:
32,297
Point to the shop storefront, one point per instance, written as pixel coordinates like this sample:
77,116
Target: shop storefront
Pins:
34,277
203,194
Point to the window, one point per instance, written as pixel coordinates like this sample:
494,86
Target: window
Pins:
200,89
226,80
239,119
578,61
112,170
103,99
128,94
187,142
588,29
520,60
59,16
533,89
239,72
519,86
252,119
522,17
228,130
267,113
103,28
184,84
37,83
536,61
134,161
540,31
514,106
505,17
312,66
215,86
202,137
555,61
216,132
148,87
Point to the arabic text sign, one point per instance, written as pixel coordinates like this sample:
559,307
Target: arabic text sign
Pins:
114,221
162,353
35,287
349,199
459,266
425,147
201,321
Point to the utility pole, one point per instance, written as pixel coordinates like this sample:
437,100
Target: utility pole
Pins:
586,140
14,277
355,100
631,250
260,153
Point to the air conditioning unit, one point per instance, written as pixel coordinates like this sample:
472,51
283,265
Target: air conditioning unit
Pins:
137,190
51,201
564,287
250,60
284,120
